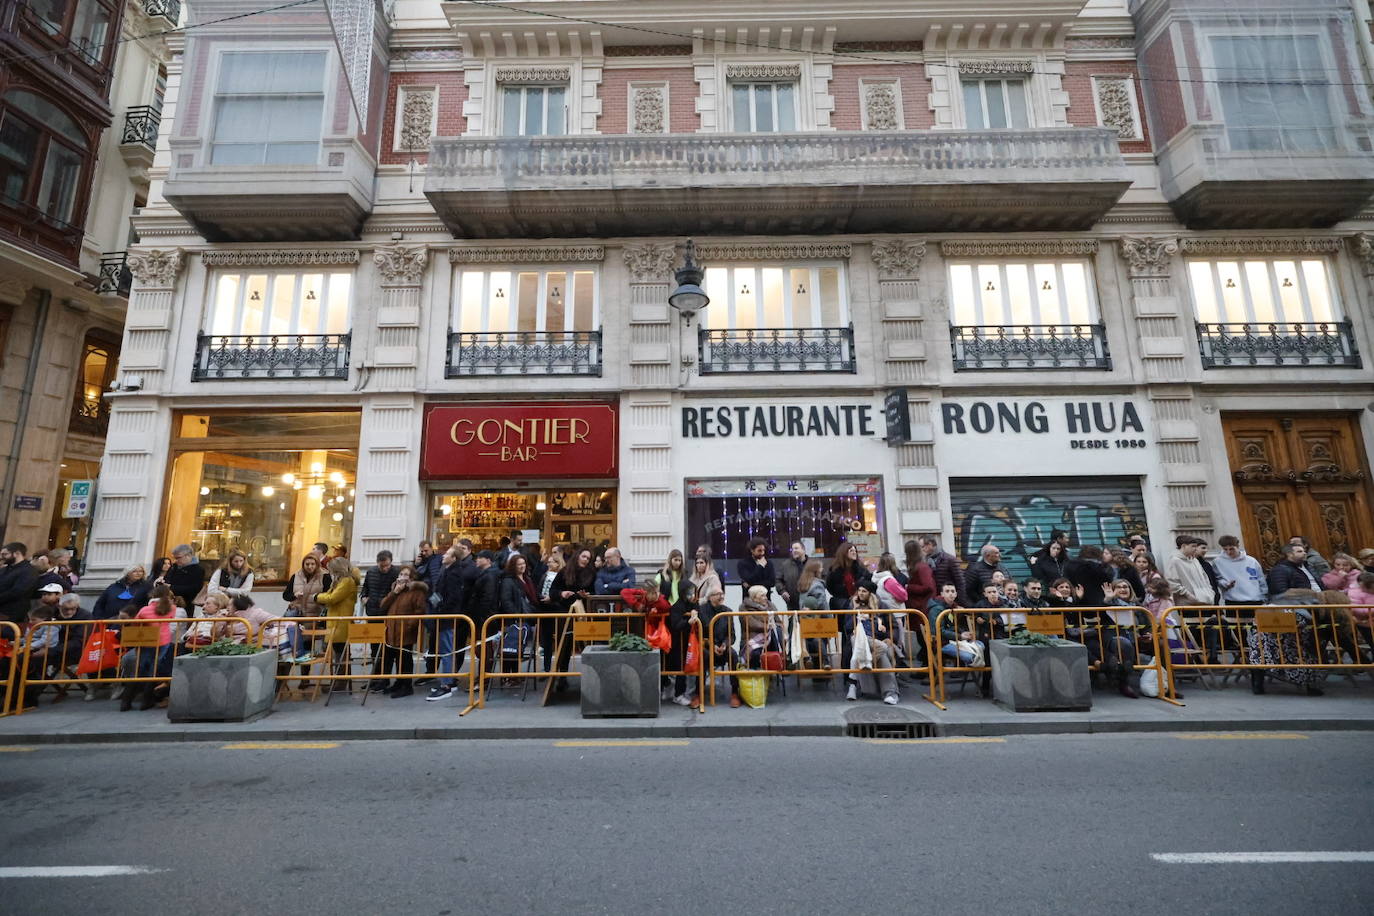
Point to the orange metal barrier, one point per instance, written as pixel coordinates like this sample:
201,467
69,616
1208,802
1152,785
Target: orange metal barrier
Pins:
1094,627
824,626
1300,642
64,659
319,637
9,700
585,628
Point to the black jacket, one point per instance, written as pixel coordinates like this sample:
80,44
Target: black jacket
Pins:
977,577
1047,568
751,573
1092,575
186,583
376,585
480,602
511,597
834,583
107,606
789,574
451,590
946,571
16,591
1286,574
568,580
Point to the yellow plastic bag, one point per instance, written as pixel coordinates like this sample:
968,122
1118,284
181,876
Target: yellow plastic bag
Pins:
753,690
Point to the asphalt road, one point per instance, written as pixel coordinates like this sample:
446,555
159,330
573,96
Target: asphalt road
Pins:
1024,825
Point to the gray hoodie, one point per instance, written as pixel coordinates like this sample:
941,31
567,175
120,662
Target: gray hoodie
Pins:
1250,585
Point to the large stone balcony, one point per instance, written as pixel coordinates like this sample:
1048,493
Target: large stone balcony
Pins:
900,181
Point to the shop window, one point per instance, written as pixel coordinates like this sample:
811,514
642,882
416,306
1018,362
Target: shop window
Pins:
551,299
749,296
1275,92
99,361
534,111
548,517
280,303
269,107
1021,293
992,103
1258,290
762,108
42,155
269,484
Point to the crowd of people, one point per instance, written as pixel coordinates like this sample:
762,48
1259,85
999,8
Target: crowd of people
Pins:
1111,596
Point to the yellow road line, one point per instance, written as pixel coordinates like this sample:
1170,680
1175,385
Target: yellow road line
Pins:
281,746
15,750
1243,736
627,742
935,741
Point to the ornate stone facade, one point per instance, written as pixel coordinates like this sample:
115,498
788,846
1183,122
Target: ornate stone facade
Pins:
509,76
899,259
803,251
1147,257
990,66
649,110
156,268
291,257
649,263
527,254
1116,105
763,72
881,109
417,119
401,265
1020,249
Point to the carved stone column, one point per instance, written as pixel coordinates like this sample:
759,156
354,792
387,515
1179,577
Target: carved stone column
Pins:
150,324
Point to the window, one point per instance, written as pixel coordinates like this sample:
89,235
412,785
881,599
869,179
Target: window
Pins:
549,299
775,296
90,412
1021,293
1263,290
1274,91
533,111
279,303
268,108
42,155
84,24
761,108
995,102
269,484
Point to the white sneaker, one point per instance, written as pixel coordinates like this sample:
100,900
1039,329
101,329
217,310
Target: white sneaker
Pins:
853,693
890,699
682,700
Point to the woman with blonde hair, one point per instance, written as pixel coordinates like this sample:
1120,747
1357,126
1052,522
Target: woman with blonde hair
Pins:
339,603
704,578
670,577
234,577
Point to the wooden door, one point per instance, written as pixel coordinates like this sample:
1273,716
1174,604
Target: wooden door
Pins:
1304,474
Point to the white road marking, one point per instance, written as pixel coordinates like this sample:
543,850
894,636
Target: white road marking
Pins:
77,871
1247,858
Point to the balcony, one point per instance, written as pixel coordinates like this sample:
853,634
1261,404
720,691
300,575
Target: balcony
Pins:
90,418
1029,347
169,10
898,181
776,350
30,227
515,353
271,356
138,141
1259,345
115,278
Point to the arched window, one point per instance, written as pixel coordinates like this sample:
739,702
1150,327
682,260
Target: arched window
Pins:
99,360
42,154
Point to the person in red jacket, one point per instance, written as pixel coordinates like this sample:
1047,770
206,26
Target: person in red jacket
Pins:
920,589
655,608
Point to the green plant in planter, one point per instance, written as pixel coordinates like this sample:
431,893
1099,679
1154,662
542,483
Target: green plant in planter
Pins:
226,647
628,642
1024,637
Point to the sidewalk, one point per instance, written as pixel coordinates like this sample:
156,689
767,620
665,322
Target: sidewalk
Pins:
806,711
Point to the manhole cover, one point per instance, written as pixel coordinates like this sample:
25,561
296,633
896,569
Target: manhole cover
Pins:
886,722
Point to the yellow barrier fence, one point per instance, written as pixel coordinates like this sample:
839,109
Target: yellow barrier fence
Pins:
10,634
112,652
1112,635
1296,642
826,637
320,647
576,629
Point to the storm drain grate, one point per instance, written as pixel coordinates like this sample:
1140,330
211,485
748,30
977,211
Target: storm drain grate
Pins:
887,723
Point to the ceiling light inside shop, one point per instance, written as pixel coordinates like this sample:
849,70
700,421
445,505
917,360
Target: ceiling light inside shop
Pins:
296,485
316,467
337,516
352,492
446,509
540,506
350,508
315,492
268,491
288,478
281,506
337,478
204,491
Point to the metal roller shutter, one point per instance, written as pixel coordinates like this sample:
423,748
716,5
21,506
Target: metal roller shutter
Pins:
1018,514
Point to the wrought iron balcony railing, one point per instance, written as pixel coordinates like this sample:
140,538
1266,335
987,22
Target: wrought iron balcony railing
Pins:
140,126
167,9
523,353
268,356
1289,343
776,350
115,277
1030,346
90,418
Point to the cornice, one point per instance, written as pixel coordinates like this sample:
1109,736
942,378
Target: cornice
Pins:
1262,245
1023,248
794,251
279,257
527,254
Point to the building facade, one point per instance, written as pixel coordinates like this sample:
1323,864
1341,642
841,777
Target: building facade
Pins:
982,275
80,94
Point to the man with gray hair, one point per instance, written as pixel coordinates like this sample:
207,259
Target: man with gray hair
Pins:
71,639
615,574
186,577
979,573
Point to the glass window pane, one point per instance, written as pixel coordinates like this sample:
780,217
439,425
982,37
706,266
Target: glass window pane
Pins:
311,307
469,317
1204,292
963,308
834,313
1319,292
291,154
990,295
1016,97
973,105
555,295
535,99
557,110
61,175
254,306
337,314
1261,295
799,284
1019,296
773,314
238,153
787,106
718,291
746,298
763,109
586,318
997,111
1078,294
1232,292
282,304
510,111
740,103
499,302
225,304
257,71
18,146
527,302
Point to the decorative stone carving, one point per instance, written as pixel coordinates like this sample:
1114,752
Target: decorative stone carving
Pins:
297,257
649,112
527,254
401,265
880,106
155,267
1262,246
417,119
991,66
1364,250
1116,107
649,263
763,72
1148,258
802,251
517,75
1020,249
899,259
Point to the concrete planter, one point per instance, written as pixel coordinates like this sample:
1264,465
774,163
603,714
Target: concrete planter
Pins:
1041,678
222,688
619,683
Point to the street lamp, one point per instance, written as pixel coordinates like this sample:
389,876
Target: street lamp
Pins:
689,297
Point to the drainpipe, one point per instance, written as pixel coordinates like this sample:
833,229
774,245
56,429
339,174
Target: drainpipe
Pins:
21,420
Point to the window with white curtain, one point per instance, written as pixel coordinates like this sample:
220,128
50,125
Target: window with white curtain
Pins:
1263,290
774,296
1275,92
269,108
526,299
533,111
995,102
1022,293
761,108
273,303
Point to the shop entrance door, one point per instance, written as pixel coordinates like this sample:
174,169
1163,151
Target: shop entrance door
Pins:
1304,474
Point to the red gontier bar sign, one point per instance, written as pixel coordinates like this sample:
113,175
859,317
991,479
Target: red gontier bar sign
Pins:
563,439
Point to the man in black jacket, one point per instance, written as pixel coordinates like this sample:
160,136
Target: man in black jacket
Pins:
790,574
944,567
1091,574
186,577
451,601
377,582
979,573
17,583
755,568
1292,572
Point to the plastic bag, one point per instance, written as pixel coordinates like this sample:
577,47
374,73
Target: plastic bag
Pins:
101,652
753,690
691,659
656,632
1149,679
